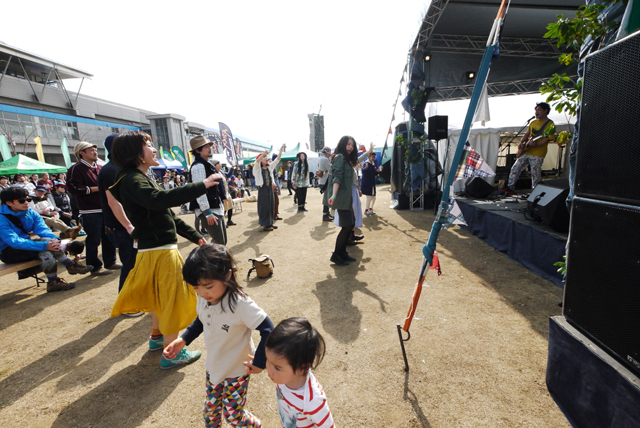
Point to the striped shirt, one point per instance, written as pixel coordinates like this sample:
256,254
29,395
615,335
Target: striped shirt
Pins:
305,407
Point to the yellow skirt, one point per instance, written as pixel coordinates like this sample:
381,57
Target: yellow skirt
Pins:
155,284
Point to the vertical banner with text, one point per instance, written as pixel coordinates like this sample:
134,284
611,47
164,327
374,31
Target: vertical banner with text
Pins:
227,144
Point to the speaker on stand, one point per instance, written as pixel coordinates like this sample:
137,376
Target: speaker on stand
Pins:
438,129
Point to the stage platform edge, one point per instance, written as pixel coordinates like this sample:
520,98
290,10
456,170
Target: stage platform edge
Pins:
534,246
590,387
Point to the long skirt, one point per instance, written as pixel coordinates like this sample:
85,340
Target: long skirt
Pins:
265,205
356,206
155,284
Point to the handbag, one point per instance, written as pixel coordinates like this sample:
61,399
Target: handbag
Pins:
263,266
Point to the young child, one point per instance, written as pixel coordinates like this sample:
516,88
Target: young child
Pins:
293,348
227,316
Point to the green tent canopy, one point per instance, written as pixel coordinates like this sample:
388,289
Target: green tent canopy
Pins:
26,165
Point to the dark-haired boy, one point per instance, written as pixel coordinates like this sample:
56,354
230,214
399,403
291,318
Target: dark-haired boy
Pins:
17,220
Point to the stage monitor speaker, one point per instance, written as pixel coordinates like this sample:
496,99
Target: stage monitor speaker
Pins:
438,127
602,291
560,183
608,146
477,187
548,204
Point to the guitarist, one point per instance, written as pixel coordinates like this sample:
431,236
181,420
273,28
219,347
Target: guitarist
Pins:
533,147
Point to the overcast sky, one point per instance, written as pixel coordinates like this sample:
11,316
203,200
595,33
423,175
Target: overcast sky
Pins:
258,66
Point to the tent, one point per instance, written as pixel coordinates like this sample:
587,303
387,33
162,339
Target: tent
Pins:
26,165
169,164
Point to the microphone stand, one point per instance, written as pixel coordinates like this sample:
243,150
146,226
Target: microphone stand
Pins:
517,133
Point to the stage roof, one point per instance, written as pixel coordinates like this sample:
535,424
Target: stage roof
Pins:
454,35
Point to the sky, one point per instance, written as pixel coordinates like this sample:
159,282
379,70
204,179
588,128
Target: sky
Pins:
259,67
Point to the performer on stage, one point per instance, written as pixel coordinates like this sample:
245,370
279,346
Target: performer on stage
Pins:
533,147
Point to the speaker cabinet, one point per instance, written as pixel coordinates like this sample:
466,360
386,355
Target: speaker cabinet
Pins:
438,127
602,290
477,187
608,144
548,204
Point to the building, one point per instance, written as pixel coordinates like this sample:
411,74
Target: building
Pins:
34,102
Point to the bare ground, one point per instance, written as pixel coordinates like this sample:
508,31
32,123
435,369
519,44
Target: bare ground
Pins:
477,352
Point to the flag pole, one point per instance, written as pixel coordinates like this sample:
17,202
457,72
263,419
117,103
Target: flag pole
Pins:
429,248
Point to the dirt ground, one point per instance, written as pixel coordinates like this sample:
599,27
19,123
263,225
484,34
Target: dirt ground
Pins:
477,352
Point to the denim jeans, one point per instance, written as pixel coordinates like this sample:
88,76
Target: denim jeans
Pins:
93,225
121,239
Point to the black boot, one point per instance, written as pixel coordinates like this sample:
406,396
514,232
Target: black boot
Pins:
345,256
335,258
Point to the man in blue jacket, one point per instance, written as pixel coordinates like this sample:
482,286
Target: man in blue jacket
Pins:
17,220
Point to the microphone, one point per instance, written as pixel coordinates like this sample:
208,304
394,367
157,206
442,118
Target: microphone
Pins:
532,117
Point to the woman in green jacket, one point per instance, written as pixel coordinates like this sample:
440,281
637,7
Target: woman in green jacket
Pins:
155,284
341,197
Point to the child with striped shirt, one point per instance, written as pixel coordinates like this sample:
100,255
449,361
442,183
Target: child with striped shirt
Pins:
292,349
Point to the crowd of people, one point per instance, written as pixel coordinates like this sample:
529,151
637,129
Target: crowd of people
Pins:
125,208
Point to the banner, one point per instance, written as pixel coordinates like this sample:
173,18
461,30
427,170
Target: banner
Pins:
215,149
239,154
166,155
227,144
39,149
179,155
4,148
64,148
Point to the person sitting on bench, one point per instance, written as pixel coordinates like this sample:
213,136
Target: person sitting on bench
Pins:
40,203
17,220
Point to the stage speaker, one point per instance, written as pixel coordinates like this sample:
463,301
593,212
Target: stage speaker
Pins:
602,290
438,127
548,204
608,147
477,187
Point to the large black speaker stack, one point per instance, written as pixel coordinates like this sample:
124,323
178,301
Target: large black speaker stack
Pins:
602,290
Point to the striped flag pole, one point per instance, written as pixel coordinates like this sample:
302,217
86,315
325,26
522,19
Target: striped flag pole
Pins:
429,249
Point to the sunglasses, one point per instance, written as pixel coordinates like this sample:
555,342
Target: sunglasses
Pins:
22,201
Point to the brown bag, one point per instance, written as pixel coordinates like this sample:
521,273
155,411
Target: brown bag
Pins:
227,204
263,266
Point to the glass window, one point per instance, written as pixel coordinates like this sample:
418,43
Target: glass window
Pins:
162,133
11,116
49,121
24,118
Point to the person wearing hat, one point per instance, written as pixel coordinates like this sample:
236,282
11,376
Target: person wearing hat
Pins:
40,204
263,171
167,184
82,182
115,219
324,173
209,207
61,202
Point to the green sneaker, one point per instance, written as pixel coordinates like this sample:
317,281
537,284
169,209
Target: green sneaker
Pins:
156,344
184,357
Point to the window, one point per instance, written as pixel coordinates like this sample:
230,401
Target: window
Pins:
162,133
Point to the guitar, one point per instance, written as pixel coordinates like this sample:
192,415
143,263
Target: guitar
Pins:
525,149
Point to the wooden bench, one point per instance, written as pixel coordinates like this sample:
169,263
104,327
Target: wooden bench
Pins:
26,269
237,204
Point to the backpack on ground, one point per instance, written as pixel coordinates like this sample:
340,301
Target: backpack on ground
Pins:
263,266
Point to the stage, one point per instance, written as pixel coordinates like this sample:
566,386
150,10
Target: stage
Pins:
502,224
